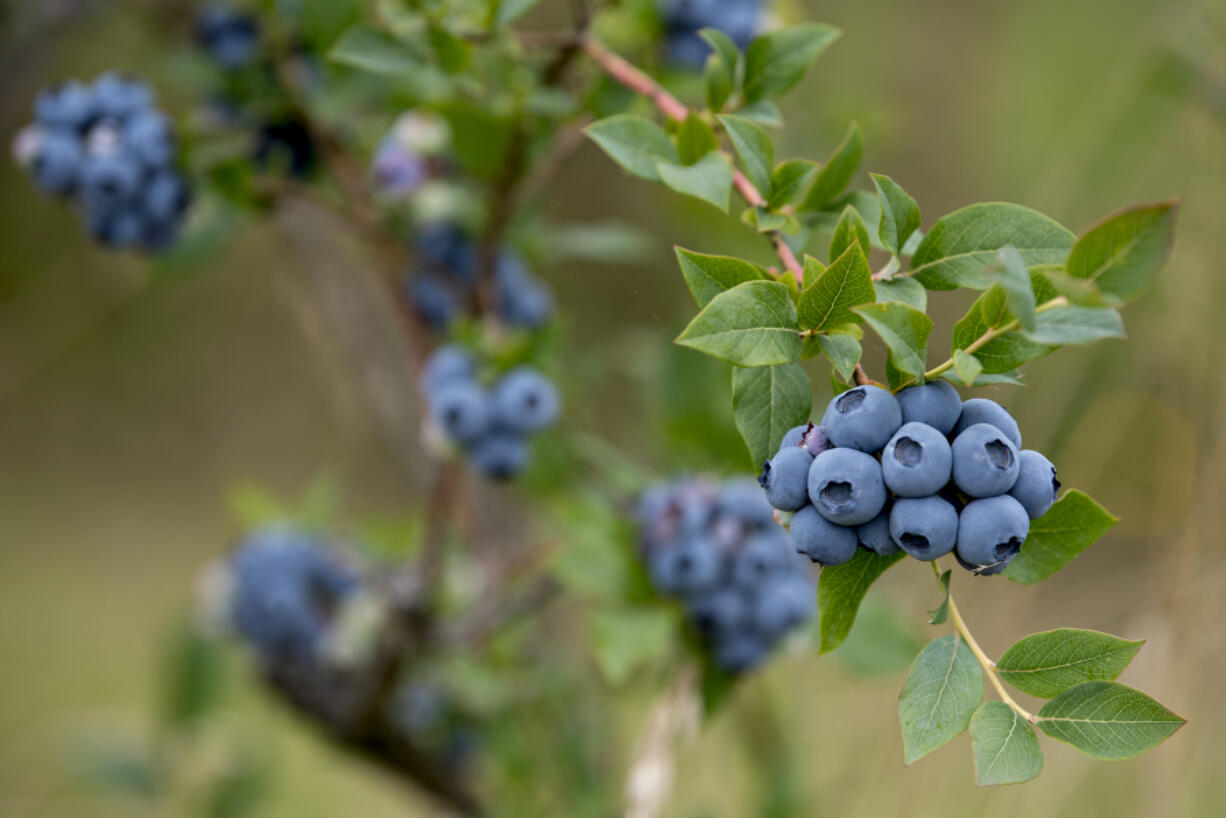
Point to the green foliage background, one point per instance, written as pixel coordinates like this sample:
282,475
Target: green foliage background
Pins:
130,406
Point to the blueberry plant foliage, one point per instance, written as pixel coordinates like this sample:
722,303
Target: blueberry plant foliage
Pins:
425,131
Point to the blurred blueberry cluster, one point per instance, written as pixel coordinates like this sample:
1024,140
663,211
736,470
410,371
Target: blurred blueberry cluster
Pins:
683,19
108,149
716,547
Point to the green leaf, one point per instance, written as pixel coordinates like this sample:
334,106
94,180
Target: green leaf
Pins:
1043,664
849,230
1014,276
1005,747
843,351
764,221
372,50
1124,252
943,688
509,10
451,53
753,324
708,276
755,149
1005,352
940,613
962,245
812,272
1108,720
764,112
193,679
723,46
1013,378
625,640
789,180
906,290
767,401
718,82
1076,325
900,215
836,173
881,642
841,589
709,179
845,284
967,366
695,139
776,61
634,142
1069,527
905,331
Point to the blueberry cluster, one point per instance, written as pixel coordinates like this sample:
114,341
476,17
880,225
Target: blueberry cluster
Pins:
409,155
108,149
492,424
717,548
924,471
447,282
286,591
683,19
230,35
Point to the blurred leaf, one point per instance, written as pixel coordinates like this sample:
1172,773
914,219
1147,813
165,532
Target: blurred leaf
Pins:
755,149
836,173
843,352
850,230
829,300
1005,746
900,215
905,331
1043,664
193,679
238,791
764,221
320,503
634,142
753,324
480,138
961,246
967,366
1069,527
942,691
723,46
507,11
776,61
708,276
451,53
373,50
766,402
608,241
881,642
789,180
128,771
1108,720
625,640
764,112
597,560
709,179
320,22
1014,276
940,613
695,139
1076,325
841,589
813,270
1124,252
907,290
718,82
253,505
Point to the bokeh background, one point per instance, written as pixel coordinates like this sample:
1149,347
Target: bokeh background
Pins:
135,407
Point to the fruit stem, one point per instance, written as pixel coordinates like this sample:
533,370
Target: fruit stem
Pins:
989,667
993,332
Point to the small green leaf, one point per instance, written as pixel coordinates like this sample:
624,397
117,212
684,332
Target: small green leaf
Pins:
905,331
451,53
1069,527
843,352
764,221
1005,747
841,589
906,290
634,142
1076,325
1108,720
764,112
1124,252
961,247
967,366
1043,664
695,139
776,61
836,173
709,179
718,82
812,272
1005,352
767,401
845,284
942,691
708,276
753,324
900,215
849,230
1014,276
625,640
755,149
194,678
940,613
789,180
374,51
723,46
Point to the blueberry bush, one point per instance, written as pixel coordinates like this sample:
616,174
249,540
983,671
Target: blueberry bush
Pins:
425,129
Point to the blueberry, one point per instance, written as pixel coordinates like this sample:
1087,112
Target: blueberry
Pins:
759,559
991,532
149,137
793,436
448,363
786,478
446,247
924,527
743,500
875,535
783,605
936,403
985,461
816,440
740,651
917,461
500,455
525,400
433,301
693,566
718,612
108,181
982,410
68,106
1036,484
863,418
117,96
165,196
461,409
530,305
821,540
58,164
845,486
397,171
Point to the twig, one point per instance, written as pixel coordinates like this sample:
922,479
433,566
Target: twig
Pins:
649,781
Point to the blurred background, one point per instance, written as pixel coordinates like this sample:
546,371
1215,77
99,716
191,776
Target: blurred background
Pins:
135,409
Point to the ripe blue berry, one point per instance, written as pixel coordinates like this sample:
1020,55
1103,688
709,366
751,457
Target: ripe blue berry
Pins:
985,461
433,301
793,436
107,181
68,106
718,612
760,558
917,461
784,604
1036,484
786,478
117,96
991,531
936,403
694,566
461,409
863,418
58,162
525,401
448,363
741,651
816,440
924,527
875,534
845,486
147,135
743,501
982,410
499,455
821,540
